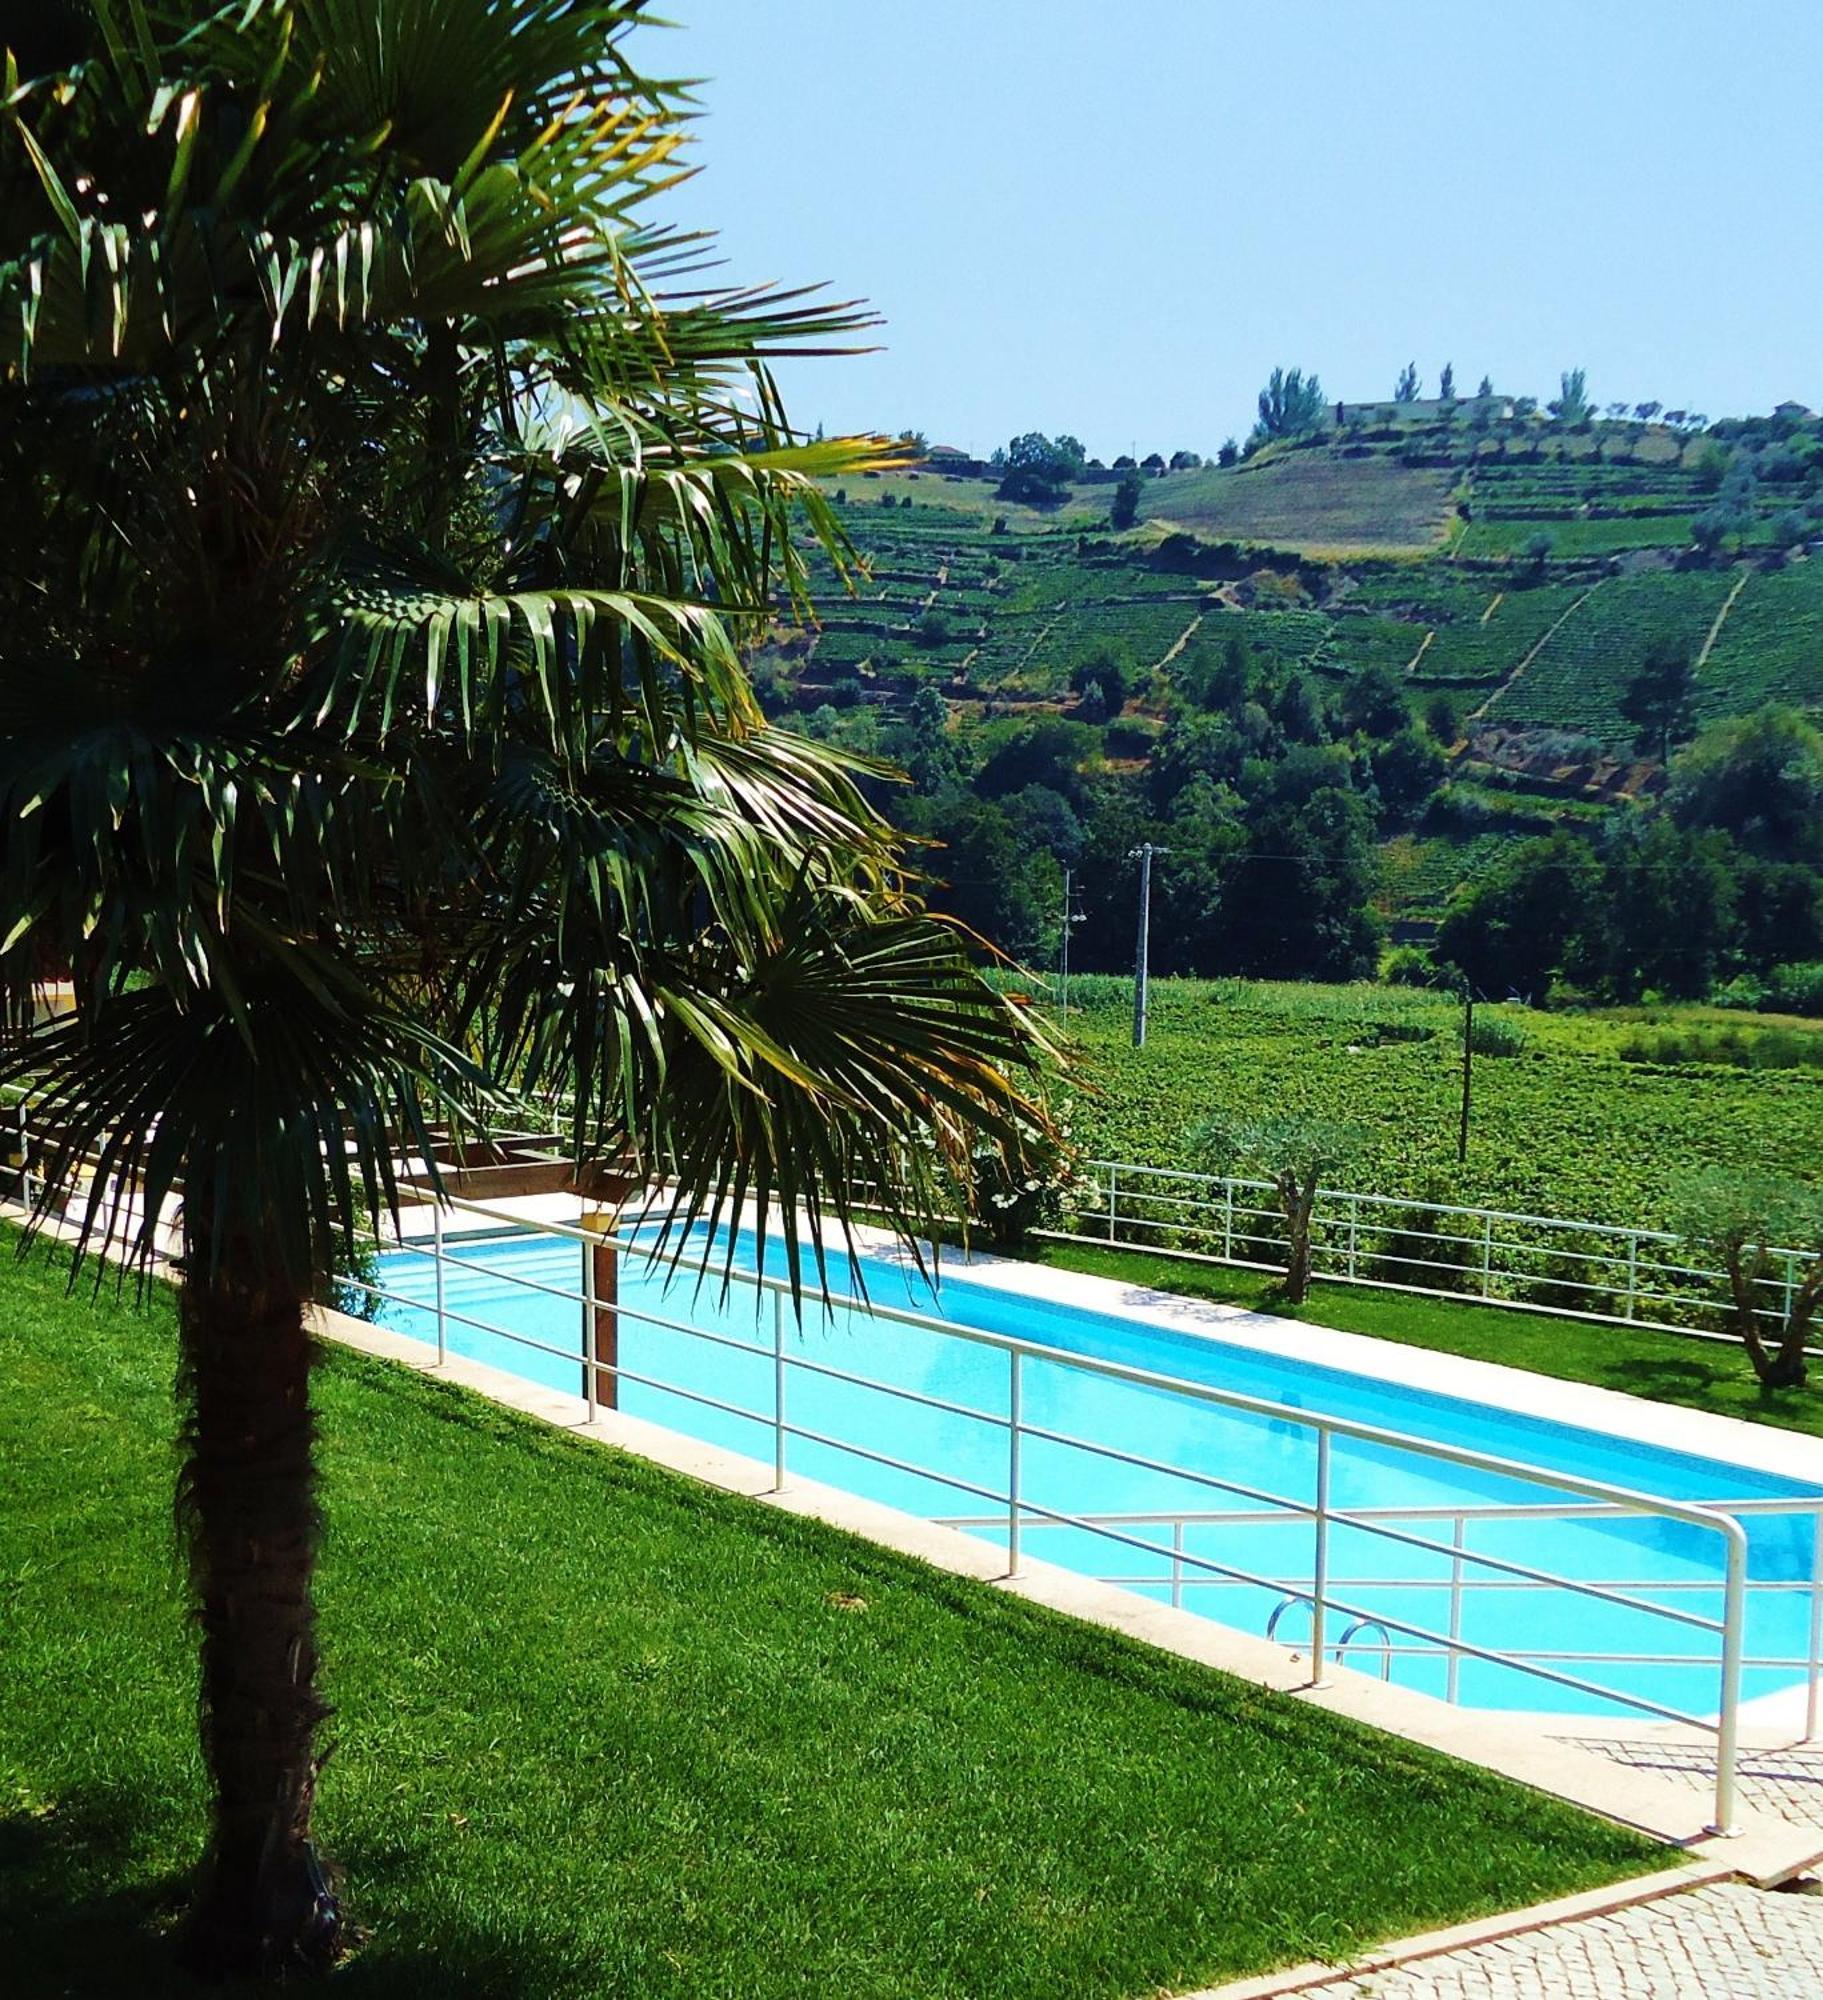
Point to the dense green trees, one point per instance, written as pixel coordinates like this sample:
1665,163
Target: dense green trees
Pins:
1758,777
1723,879
1290,404
1037,469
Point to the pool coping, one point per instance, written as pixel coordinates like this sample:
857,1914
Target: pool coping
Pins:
1763,1850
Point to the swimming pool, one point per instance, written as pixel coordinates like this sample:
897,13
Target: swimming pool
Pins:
1135,1460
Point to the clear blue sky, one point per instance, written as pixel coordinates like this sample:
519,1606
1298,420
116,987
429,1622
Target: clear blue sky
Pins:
1114,218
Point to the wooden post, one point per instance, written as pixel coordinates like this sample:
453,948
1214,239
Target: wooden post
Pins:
604,1194
600,1322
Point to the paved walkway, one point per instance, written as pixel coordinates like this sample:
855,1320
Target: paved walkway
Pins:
1724,1942
1786,1782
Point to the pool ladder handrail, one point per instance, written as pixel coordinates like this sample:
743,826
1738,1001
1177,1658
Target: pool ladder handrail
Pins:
1350,1636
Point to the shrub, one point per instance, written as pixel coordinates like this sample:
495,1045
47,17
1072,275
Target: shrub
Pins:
1496,1035
1036,1184
1128,736
1409,965
1795,989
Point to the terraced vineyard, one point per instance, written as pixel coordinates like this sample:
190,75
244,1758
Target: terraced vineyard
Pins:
1577,677
1771,646
1485,649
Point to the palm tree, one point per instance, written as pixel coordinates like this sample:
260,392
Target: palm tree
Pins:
385,502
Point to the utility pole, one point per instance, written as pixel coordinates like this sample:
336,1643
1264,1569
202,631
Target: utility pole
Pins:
1069,917
1142,953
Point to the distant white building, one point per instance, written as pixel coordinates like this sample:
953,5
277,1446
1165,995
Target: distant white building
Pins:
1426,410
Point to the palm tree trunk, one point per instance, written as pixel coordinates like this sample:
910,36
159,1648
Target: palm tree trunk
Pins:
247,1504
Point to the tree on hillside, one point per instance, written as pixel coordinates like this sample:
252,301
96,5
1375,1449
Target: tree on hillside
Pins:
1664,917
1153,464
1229,452
1290,405
1106,669
1185,461
375,749
1645,412
1571,407
1038,470
1511,930
1446,382
1405,390
1487,386
1123,510
1659,697
1758,777
1617,410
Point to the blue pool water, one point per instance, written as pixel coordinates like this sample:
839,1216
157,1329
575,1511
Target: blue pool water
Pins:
495,1280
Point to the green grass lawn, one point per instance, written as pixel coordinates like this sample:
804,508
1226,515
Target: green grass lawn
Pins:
1699,1374
602,1732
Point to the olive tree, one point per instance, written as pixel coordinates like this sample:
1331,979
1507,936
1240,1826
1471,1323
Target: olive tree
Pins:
1296,1155
1766,1232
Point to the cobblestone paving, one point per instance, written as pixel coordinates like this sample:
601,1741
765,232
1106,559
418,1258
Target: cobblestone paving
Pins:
1788,1783
1725,1942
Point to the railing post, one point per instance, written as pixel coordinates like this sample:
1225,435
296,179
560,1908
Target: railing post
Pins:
1014,1425
1319,1567
1814,1686
778,1392
1487,1256
1453,1683
591,1388
1113,1186
1227,1219
1177,1563
1728,1712
1632,1299
1354,1219
436,1253
25,1158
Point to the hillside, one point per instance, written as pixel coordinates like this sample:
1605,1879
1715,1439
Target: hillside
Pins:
1506,578
1320,502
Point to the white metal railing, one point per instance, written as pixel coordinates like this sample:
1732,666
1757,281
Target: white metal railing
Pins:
1017,1511
1609,1273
